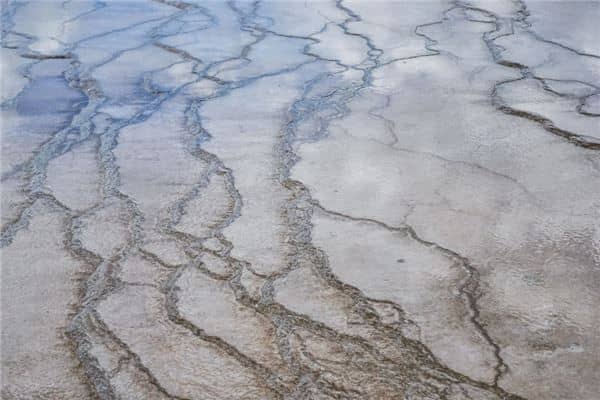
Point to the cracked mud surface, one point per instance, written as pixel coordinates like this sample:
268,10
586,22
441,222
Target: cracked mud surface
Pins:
300,200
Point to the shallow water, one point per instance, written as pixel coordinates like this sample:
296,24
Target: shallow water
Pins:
300,200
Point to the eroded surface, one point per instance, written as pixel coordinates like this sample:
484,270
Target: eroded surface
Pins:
300,200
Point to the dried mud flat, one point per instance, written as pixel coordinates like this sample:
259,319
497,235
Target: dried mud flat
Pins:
300,200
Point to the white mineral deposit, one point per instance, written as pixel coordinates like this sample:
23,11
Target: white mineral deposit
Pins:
300,200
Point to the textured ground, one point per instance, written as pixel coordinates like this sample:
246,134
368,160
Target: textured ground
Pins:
300,200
